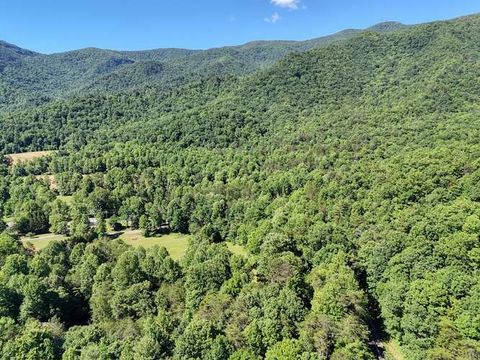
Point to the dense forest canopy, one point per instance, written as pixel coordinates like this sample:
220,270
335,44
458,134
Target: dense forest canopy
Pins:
348,173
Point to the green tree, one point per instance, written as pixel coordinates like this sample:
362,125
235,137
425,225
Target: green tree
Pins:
59,218
286,349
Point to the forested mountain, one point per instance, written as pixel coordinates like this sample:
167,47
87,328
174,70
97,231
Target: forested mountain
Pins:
349,173
11,55
28,78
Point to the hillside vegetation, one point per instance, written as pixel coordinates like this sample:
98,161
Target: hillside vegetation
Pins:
348,175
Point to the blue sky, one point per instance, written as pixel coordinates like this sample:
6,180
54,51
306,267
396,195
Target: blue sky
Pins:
57,25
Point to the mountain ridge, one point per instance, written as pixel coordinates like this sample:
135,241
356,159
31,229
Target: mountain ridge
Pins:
29,79
384,25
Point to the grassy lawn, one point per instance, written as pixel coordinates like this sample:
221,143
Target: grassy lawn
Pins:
176,244
27,156
41,241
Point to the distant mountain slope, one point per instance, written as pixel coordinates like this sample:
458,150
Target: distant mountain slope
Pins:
412,71
28,78
11,55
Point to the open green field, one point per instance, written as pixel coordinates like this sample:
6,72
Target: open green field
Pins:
176,244
41,241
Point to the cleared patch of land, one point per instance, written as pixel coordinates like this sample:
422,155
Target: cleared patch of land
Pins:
176,244
41,241
27,156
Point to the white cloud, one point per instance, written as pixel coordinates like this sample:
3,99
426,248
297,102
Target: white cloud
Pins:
290,4
273,19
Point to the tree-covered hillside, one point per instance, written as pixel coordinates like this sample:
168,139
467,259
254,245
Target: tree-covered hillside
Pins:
11,55
349,176
28,78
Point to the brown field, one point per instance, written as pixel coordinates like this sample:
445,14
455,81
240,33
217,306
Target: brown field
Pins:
27,156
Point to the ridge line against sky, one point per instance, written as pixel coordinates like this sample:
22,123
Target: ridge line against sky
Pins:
50,26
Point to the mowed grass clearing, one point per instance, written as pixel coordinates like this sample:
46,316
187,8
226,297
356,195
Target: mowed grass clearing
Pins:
176,244
41,241
27,156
